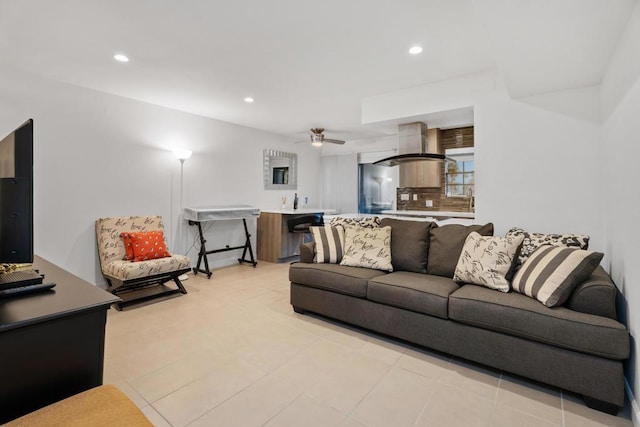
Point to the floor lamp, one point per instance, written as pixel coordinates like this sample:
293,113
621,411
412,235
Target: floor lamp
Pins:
181,155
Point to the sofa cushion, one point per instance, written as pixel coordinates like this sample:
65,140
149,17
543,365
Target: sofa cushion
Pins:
551,273
422,293
488,261
596,295
329,242
518,315
445,246
307,251
127,270
367,247
409,244
333,277
533,241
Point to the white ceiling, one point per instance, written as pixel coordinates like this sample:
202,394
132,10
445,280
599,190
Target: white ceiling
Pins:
548,45
306,63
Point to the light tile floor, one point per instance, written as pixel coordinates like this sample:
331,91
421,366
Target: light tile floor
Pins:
233,353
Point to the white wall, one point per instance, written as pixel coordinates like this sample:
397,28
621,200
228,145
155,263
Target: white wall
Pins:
339,181
537,163
447,95
100,155
621,153
537,168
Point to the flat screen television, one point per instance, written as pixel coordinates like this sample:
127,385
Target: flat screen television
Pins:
16,195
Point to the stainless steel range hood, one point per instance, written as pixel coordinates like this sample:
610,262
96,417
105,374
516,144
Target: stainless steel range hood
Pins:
412,143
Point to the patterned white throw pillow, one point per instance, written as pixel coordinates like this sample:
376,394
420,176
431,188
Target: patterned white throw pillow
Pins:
487,260
551,273
329,244
367,247
533,241
367,222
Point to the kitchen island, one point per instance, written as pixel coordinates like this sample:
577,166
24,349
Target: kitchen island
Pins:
438,215
275,242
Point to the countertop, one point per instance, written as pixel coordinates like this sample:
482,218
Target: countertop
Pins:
289,211
432,214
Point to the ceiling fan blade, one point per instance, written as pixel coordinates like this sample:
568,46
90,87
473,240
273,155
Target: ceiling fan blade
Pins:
333,141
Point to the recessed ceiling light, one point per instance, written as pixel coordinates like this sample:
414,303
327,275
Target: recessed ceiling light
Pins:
120,57
248,100
415,50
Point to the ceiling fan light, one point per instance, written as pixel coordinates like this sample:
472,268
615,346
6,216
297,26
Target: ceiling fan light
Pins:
316,139
121,57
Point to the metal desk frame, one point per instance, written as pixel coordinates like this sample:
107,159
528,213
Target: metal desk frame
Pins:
202,254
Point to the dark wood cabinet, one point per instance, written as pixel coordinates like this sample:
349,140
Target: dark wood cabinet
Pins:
51,343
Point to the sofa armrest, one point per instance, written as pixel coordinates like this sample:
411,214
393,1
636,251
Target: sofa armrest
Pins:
307,252
596,295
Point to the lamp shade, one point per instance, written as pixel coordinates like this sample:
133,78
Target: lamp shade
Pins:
182,154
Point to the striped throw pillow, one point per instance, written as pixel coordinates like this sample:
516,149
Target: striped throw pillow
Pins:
551,273
329,244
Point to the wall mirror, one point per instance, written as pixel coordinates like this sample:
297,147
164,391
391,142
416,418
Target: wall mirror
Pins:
280,170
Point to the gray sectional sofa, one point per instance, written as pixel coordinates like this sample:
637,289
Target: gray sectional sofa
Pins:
579,346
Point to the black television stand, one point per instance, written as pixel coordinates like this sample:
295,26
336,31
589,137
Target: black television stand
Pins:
51,343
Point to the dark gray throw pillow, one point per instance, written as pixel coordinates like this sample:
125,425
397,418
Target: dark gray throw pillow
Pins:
446,243
409,244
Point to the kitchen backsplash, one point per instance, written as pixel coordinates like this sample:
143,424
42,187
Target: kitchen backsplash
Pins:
440,203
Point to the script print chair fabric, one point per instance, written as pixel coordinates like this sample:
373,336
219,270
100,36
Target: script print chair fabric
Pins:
137,281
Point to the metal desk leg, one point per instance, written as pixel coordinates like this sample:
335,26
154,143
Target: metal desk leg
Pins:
202,255
247,245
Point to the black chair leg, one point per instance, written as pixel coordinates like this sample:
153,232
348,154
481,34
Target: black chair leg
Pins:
179,284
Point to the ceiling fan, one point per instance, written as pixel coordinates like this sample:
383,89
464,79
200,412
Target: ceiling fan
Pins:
317,138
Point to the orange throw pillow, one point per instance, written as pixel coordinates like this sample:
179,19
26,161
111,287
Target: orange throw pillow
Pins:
146,245
126,239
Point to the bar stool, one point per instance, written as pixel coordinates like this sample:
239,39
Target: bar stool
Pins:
300,224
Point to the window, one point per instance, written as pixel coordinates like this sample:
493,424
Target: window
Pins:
459,175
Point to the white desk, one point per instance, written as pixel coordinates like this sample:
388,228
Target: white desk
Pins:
197,215
216,213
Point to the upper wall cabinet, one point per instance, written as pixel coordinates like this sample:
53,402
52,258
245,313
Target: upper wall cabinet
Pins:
421,173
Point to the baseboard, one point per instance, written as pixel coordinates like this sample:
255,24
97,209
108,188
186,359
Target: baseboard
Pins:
221,262
635,409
